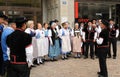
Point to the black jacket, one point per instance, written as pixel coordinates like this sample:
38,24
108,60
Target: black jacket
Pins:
17,42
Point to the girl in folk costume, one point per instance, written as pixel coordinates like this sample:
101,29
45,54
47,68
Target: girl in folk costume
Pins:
77,41
40,36
45,25
65,38
54,49
30,30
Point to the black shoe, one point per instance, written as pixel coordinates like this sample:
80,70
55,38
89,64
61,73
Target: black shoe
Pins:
102,76
114,57
109,57
52,59
66,58
96,57
37,64
92,57
63,58
99,73
55,59
33,65
85,57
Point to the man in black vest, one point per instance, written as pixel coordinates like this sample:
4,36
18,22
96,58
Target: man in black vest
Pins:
113,35
18,41
2,18
103,46
89,40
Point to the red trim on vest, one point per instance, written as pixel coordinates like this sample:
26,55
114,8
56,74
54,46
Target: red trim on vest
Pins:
104,46
14,61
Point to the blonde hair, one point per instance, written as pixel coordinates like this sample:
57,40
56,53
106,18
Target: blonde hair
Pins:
76,24
29,23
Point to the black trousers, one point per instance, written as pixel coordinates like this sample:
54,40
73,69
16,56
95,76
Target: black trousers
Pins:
83,48
91,45
1,61
102,55
113,42
18,70
96,52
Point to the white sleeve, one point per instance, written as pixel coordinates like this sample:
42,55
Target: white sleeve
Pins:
98,30
83,36
49,36
117,33
95,36
27,31
8,53
99,41
49,33
72,32
29,54
60,33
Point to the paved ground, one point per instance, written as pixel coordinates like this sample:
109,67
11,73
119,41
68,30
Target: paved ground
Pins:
76,68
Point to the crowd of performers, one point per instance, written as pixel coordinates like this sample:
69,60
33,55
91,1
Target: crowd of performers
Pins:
56,41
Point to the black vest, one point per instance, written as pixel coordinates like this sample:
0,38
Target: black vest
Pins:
112,32
105,35
54,36
89,34
17,42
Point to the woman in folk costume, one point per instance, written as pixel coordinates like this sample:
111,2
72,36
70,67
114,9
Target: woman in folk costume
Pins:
76,41
40,36
45,28
65,37
54,49
30,30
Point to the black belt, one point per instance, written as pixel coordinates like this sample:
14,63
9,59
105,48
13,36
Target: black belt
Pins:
14,60
103,46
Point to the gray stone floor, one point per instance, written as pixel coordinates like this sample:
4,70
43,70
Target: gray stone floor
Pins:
76,68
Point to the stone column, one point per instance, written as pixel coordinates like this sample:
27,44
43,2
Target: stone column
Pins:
67,11
44,10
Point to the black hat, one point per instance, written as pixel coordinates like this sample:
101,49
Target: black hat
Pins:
11,20
3,16
56,20
6,18
105,22
50,23
20,20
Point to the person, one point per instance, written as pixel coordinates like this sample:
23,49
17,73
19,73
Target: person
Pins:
102,45
54,48
7,31
30,30
66,41
76,41
82,33
2,18
113,35
19,43
40,36
58,27
98,30
46,30
89,40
